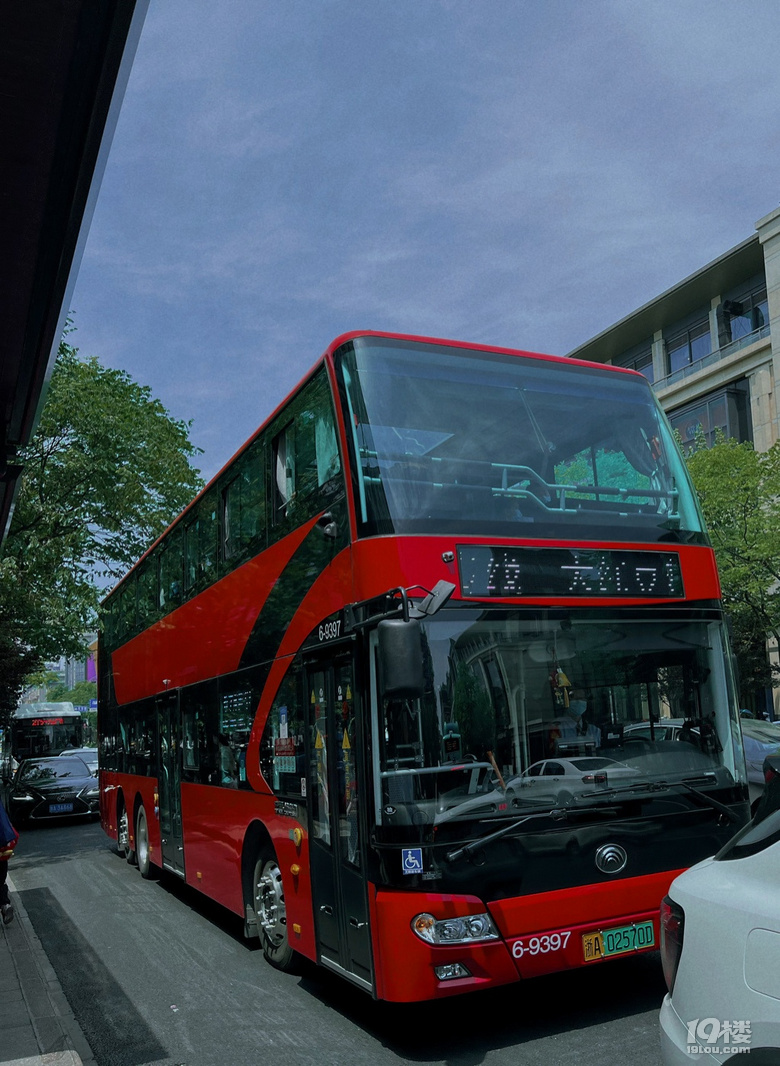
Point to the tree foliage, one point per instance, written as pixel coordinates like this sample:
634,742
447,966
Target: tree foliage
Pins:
739,491
80,695
473,711
106,471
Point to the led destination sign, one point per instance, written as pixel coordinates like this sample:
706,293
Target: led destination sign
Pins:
508,572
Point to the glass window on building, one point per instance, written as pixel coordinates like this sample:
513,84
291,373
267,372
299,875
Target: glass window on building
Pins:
641,360
689,346
727,411
746,315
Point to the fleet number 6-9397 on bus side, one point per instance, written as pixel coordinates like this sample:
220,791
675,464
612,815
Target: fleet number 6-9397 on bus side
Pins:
330,630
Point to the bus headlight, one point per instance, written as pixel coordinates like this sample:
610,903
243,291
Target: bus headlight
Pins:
465,930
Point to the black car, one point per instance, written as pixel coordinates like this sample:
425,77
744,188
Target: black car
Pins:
89,755
55,787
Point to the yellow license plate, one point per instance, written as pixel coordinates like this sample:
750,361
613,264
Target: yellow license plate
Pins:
623,938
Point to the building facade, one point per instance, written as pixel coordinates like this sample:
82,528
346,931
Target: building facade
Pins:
711,347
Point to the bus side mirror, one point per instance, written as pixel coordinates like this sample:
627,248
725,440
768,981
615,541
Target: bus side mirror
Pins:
401,659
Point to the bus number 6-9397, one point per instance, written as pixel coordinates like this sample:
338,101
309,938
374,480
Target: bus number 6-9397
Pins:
330,630
540,945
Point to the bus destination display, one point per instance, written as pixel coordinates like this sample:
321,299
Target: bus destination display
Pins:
507,572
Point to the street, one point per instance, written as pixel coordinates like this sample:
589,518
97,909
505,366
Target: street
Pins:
155,973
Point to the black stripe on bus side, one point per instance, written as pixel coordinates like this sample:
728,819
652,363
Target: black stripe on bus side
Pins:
312,556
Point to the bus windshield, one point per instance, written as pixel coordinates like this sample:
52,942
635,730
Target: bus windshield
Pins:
537,710
444,438
45,729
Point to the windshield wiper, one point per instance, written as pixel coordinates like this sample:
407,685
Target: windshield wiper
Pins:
562,813
715,804
557,814
664,786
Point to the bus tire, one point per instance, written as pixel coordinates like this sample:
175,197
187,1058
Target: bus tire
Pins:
145,865
270,911
123,841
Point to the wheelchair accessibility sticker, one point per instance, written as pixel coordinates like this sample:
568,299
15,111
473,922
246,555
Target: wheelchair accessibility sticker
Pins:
411,860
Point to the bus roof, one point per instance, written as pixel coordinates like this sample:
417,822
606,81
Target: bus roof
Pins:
45,710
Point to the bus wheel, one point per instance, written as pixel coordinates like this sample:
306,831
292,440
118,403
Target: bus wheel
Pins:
271,912
123,843
145,864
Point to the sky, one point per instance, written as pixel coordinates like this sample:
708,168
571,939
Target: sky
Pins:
520,173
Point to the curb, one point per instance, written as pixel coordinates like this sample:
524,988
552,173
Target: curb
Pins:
38,1025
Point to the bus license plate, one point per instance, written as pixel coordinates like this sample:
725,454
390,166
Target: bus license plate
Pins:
60,808
617,941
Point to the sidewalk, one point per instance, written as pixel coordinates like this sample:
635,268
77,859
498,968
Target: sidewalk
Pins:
38,1027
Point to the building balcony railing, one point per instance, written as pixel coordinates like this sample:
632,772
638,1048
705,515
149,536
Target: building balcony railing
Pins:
712,358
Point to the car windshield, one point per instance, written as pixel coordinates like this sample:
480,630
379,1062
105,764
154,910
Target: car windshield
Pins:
38,773
533,709
444,438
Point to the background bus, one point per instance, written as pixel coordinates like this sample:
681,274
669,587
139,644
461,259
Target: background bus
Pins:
39,729
372,691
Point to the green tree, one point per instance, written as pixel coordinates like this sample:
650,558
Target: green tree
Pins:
17,658
106,471
473,711
81,693
739,491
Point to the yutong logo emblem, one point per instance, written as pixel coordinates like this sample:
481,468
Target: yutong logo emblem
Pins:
611,858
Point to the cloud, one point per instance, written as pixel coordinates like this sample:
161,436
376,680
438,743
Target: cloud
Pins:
512,172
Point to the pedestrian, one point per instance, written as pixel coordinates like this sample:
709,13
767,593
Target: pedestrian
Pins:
8,841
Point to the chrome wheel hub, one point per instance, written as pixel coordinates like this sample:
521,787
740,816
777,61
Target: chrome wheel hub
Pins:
269,903
124,831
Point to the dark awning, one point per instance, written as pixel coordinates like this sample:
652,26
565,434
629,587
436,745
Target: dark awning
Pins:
63,69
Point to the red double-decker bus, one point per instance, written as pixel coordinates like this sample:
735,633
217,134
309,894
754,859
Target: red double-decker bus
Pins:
431,683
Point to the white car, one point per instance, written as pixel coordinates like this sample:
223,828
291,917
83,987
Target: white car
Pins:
549,782
561,777
663,729
720,947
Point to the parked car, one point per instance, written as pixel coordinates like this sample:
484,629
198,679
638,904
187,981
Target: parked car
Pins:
720,947
549,782
663,729
561,778
89,755
759,739
54,787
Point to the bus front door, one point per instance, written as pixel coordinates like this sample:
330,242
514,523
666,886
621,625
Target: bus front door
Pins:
169,783
337,865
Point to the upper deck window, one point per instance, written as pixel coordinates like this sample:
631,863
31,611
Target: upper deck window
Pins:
445,439
304,456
